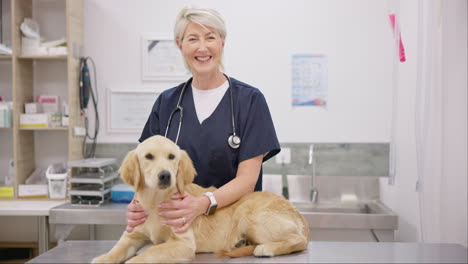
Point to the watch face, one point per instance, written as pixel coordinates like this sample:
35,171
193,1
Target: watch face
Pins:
212,209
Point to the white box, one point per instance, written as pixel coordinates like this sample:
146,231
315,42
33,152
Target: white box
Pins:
32,108
32,190
35,120
79,131
65,121
57,51
30,46
50,103
50,107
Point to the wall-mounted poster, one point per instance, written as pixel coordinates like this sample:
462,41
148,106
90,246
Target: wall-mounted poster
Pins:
309,80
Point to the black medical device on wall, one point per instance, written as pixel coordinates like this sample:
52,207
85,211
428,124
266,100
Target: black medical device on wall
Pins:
85,84
87,93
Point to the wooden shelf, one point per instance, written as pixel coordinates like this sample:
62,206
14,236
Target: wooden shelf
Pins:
45,128
6,128
5,57
43,57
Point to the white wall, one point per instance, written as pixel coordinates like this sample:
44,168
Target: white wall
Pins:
262,36
444,195
453,191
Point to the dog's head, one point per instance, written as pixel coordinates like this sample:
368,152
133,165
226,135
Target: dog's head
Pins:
157,163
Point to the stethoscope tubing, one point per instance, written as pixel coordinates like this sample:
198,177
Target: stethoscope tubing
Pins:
179,108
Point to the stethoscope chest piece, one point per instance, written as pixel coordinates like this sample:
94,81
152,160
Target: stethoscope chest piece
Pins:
234,141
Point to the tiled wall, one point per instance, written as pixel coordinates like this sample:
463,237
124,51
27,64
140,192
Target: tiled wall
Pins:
347,159
353,159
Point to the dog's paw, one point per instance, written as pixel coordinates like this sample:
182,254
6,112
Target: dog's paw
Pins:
104,259
263,251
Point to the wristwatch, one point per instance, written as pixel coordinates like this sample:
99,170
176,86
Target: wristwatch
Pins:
213,204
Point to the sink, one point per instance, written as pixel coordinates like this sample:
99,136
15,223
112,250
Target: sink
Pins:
368,215
342,208
372,218
331,208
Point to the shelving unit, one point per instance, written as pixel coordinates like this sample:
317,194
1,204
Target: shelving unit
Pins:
23,68
6,134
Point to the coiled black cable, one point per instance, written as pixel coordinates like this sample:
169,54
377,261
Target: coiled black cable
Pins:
90,151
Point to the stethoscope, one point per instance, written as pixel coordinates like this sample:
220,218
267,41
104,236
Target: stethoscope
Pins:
233,140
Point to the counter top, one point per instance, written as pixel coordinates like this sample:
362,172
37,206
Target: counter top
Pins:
106,214
40,209
27,207
336,252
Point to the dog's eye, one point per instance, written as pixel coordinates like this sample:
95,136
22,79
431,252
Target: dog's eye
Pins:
149,156
171,156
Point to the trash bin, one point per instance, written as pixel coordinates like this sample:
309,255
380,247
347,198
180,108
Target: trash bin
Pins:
57,180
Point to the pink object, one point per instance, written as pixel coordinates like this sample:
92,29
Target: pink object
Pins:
46,98
401,47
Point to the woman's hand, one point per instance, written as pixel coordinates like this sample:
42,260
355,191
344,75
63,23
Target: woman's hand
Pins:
135,215
180,214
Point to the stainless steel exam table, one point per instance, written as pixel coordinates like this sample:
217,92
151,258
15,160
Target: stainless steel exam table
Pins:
336,252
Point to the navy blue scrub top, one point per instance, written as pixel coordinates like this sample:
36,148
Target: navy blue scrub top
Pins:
207,143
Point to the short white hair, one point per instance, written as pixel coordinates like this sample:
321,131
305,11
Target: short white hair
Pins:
203,17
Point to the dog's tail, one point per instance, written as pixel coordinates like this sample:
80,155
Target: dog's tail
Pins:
237,252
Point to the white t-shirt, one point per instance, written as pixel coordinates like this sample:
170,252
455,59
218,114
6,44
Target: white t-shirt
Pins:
206,101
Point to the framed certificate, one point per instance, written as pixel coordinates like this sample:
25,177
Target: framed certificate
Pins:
128,110
162,59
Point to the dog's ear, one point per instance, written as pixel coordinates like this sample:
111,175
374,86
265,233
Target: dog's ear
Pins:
130,171
186,172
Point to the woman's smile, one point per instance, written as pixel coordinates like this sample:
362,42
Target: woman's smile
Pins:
203,59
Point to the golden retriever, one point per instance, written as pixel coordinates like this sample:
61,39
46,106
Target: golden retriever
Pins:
260,223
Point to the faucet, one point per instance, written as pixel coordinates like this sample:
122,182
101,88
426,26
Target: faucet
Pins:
314,191
285,181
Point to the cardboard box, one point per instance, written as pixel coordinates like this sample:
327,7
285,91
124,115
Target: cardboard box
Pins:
50,103
6,192
32,190
58,51
32,108
35,120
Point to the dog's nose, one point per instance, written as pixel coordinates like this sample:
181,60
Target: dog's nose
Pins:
164,177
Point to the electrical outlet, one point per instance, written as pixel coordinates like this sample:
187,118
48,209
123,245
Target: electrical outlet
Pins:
79,131
284,156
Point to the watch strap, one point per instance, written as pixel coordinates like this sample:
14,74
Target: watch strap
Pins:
213,203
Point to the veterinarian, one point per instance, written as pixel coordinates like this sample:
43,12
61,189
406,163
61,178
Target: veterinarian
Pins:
224,124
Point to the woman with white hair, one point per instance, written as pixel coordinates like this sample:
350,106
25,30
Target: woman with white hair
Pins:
224,124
